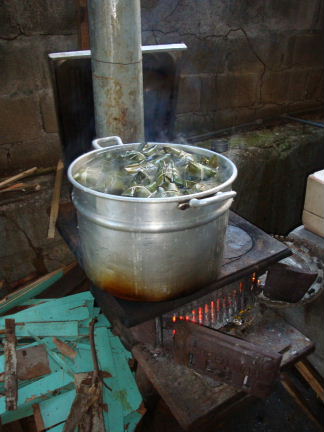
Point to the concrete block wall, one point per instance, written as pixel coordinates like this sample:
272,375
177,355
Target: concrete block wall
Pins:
245,60
29,30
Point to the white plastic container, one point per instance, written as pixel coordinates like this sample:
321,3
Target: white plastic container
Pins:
313,214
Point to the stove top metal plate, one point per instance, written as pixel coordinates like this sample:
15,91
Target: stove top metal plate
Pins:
264,251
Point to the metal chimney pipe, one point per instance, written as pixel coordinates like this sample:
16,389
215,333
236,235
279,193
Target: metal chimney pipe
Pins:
115,39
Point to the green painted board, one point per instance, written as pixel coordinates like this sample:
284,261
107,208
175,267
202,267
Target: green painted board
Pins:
114,418
127,389
132,420
42,329
67,308
10,416
40,389
32,290
57,408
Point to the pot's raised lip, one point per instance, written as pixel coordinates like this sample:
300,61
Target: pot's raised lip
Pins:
177,199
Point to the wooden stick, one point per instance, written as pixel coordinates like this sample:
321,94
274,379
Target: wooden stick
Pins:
21,187
290,387
39,421
308,374
18,176
55,199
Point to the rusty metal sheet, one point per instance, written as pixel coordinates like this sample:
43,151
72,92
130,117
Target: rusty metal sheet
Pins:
287,283
226,358
32,362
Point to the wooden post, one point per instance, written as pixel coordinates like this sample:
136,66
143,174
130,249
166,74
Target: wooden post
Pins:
11,384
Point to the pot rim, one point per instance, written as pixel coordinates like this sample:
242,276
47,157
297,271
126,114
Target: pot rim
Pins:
177,199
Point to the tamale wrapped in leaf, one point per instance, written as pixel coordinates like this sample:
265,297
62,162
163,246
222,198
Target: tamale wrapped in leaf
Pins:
151,171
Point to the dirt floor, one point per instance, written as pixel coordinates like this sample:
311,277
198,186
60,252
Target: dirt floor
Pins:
278,413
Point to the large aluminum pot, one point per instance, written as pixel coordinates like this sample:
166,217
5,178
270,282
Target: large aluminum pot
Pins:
152,249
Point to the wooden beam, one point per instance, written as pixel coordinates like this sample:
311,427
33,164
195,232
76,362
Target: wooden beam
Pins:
38,418
291,388
309,374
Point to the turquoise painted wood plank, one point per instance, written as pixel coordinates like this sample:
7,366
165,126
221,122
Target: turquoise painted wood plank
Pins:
68,308
10,416
114,417
127,389
103,321
131,421
81,363
56,409
119,346
58,328
40,389
31,290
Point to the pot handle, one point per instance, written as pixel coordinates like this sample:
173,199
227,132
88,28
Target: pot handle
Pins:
100,143
220,196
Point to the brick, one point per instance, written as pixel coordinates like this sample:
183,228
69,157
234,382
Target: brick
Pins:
189,124
17,252
50,44
18,72
236,90
308,49
297,85
244,115
189,94
314,84
185,18
275,49
16,266
42,152
47,16
209,95
287,86
224,119
304,105
274,87
291,15
203,56
25,65
48,113
247,14
241,58
19,119
8,20
269,111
